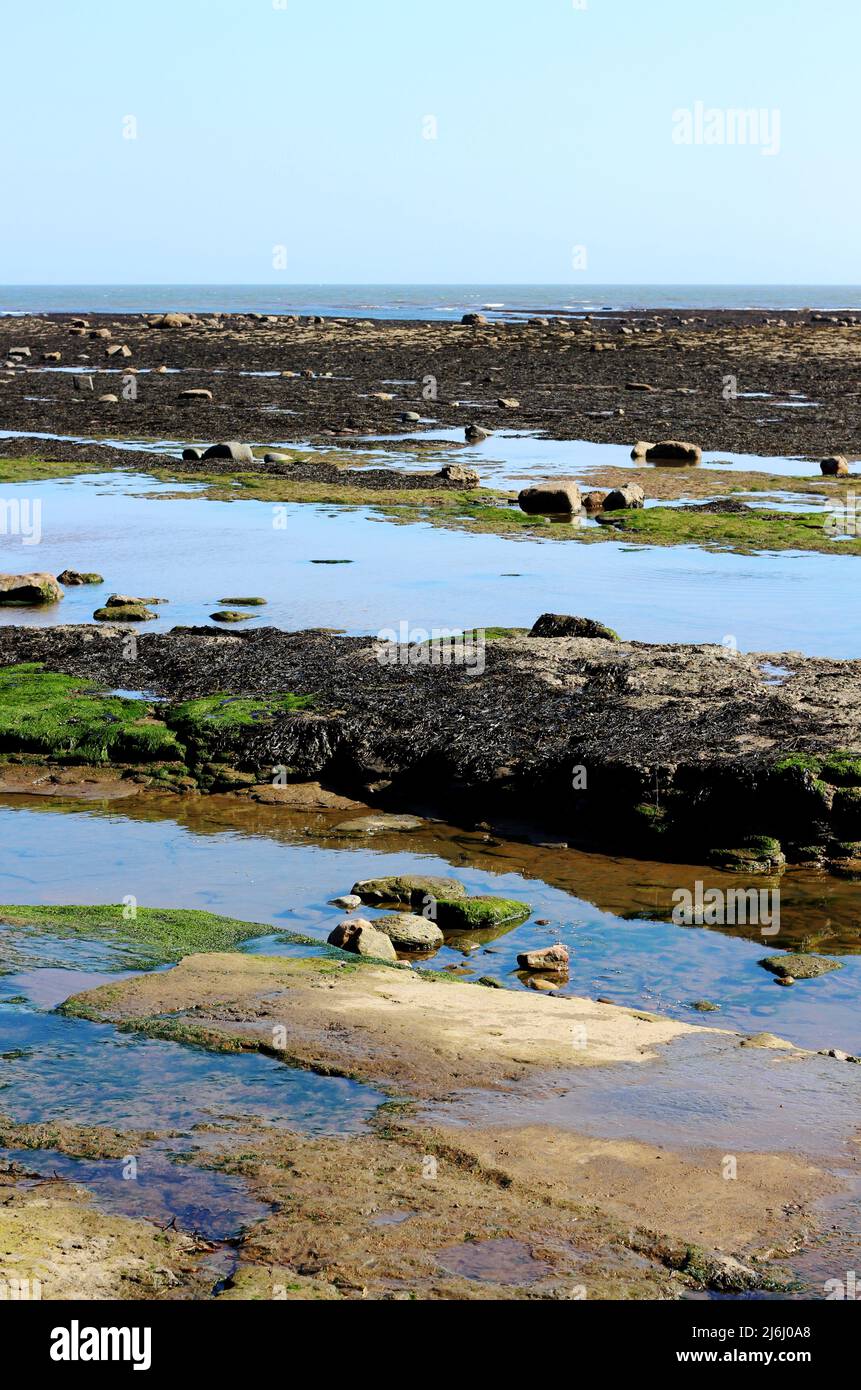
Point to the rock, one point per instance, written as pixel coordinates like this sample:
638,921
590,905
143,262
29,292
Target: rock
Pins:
560,625
124,613
52,357
411,889
474,320
238,453
349,902
552,960
410,417
118,350
109,399
479,914
410,933
551,498
594,501
381,396
800,967
705,1006
456,473
508,403
639,386
172,321
626,498
123,600
29,589
641,449
360,938
303,796
759,854
101,333
277,458
73,578
195,394
243,602
767,1042
18,352
83,383
474,434
227,615
192,455
379,824
674,451
835,467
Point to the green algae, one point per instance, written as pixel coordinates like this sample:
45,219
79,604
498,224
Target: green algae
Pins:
145,936
479,914
45,713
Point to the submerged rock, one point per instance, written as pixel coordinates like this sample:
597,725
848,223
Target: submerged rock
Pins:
801,967
29,589
226,615
361,938
124,613
380,823
475,434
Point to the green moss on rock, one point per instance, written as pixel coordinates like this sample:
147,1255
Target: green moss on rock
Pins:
479,914
152,936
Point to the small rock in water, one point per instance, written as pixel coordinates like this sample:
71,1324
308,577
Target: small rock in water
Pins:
349,902
361,938
474,320
226,615
675,451
72,578
800,967
410,933
627,498
475,434
705,1006
554,960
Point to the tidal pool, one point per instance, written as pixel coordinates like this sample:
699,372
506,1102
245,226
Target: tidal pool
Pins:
263,865
194,552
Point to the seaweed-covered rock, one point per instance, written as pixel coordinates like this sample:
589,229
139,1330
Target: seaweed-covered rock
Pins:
760,854
124,613
561,625
479,914
73,578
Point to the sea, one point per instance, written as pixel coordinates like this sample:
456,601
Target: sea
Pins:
434,302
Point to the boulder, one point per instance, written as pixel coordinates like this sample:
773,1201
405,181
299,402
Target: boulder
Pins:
553,960
36,588
192,455
674,451
594,501
172,321
124,613
508,403
227,615
350,902
409,933
360,938
18,352
474,434
641,449
483,913
553,497
625,498
412,889
52,357
474,320
410,417
456,473
73,578
118,350
835,467
233,450
561,625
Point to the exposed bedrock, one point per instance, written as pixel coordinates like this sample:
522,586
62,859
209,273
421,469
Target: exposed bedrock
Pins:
679,749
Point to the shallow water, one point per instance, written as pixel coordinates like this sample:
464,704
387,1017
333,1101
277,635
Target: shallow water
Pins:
263,866
195,552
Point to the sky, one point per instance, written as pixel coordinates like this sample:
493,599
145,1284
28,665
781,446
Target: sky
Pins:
429,141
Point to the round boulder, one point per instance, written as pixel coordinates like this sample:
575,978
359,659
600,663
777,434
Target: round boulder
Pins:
408,933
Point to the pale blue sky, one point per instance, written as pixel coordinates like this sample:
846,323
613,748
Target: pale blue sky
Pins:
302,127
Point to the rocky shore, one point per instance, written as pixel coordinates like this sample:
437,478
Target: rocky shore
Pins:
729,380
582,740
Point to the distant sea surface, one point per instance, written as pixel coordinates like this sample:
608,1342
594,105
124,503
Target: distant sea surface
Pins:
416,301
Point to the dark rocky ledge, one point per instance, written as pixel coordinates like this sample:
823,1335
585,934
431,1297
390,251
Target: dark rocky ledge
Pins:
683,751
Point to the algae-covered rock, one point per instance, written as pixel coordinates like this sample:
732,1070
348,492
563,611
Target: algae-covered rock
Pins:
74,578
800,967
560,625
479,914
226,615
124,613
410,889
409,933
759,854
243,602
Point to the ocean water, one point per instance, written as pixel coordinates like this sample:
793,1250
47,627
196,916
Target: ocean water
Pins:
417,301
